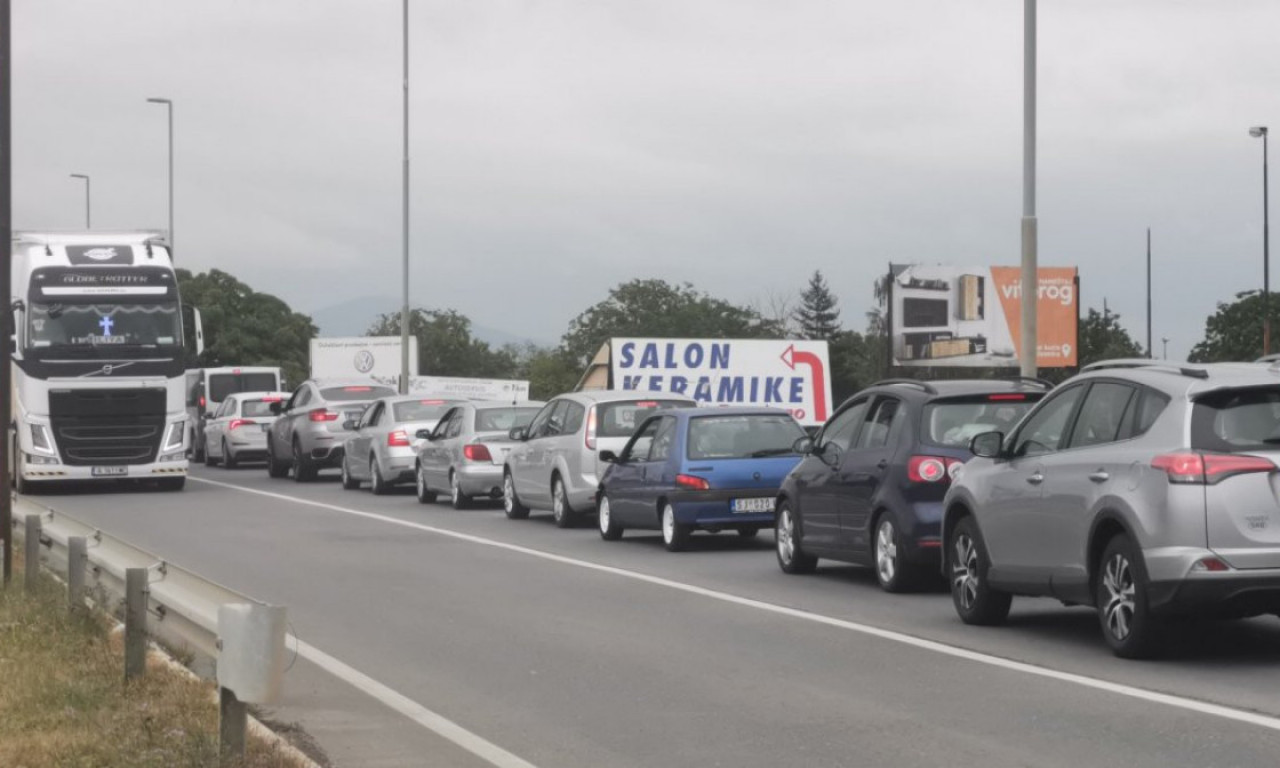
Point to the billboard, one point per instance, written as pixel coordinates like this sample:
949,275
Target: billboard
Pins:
792,375
376,357
507,390
947,316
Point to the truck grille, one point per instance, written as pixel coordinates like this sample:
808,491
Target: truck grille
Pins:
107,426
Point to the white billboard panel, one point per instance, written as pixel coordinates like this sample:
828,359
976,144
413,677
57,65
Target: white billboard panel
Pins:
792,375
507,390
376,357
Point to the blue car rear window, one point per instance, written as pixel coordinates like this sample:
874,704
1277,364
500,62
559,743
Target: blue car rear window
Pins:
742,436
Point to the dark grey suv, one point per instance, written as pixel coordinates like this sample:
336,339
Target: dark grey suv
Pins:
1142,489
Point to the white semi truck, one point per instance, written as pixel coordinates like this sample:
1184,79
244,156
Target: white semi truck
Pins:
98,381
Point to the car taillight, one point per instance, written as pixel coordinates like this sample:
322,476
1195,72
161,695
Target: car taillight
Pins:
999,398
932,469
477,452
236,423
591,428
1190,468
398,439
202,402
693,483
322,414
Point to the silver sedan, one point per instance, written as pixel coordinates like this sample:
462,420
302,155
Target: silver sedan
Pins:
237,430
380,450
464,454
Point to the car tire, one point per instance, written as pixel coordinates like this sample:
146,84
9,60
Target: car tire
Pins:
561,512
786,531
610,530
510,501
425,494
303,471
209,460
892,573
675,534
1121,597
750,532
975,600
377,485
459,499
349,483
228,458
275,469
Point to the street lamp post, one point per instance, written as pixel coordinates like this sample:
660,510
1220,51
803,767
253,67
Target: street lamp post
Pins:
169,107
1029,348
1165,340
404,278
1260,131
87,220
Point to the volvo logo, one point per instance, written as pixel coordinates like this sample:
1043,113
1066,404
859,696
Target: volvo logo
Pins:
364,361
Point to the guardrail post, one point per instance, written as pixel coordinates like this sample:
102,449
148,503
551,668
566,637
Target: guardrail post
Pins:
135,622
77,555
233,721
32,551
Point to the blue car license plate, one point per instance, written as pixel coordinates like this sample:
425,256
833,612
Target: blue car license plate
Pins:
752,505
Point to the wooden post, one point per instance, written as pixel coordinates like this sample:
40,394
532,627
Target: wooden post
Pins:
135,623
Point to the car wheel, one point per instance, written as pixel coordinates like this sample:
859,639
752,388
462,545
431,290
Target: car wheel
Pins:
1121,597
302,469
459,499
349,482
510,501
675,534
425,494
750,532
609,528
975,601
786,532
228,458
209,460
893,574
377,485
561,512
275,468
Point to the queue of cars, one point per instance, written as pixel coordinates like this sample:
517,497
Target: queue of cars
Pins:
1142,489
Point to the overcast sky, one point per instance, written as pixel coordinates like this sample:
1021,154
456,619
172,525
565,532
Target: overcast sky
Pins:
563,146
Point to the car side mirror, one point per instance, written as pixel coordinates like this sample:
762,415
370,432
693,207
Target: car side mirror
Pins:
609,457
424,434
276,408
205,417
987,445
349,425
803,446
517,433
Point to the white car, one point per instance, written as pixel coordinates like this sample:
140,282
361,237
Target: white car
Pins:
237,430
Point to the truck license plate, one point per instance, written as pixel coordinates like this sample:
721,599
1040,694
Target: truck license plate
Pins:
109,471
753,505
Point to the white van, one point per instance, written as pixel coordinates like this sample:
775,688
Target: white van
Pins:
208,387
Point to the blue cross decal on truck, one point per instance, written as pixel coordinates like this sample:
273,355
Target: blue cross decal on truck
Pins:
106,324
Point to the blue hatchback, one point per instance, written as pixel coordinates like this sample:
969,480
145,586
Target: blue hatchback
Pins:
698,469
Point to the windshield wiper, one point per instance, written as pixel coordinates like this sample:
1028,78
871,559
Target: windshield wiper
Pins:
770,452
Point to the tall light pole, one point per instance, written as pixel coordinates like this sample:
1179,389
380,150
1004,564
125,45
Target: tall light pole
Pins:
1028,349
404,306
1260,131
87,220
1151,352
6,310
169,107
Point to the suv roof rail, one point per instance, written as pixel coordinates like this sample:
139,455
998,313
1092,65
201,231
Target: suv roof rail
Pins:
927,387
1142,362
1272,358
1042,383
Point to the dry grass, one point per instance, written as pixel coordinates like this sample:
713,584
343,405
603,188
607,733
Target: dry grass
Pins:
64,702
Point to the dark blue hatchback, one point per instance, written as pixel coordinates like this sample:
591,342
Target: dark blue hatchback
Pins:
699,469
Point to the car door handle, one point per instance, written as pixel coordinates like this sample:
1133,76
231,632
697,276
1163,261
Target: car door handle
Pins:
1100,476
882,464
1035,479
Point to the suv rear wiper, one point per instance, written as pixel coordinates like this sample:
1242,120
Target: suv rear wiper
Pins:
771,452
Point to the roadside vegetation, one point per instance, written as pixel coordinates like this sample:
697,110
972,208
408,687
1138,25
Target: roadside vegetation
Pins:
64,702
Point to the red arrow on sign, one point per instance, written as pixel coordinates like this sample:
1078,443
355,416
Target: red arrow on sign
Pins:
818,374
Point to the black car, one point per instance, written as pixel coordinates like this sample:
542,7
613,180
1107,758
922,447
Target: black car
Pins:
870,487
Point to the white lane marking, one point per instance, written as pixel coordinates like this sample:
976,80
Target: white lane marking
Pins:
1121,689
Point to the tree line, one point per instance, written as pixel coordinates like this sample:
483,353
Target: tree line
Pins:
247,327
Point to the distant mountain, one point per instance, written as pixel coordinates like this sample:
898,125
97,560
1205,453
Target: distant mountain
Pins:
354,316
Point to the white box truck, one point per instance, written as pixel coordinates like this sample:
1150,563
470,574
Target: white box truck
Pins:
98,380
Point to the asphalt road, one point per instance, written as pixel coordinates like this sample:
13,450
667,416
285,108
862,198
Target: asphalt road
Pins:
565,650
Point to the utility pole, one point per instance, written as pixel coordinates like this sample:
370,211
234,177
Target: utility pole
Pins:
1151,352
404,278
1029,348
6,279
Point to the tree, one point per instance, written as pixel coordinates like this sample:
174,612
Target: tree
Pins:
243,327
1234,332
818,314
446,346
550,371
1103,338
657,308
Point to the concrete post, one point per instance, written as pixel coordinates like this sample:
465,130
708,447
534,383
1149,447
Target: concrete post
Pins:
77,558
33,551
135,623
233,721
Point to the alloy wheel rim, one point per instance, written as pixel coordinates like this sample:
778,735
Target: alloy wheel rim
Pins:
1118,610
454,491
604,514
374,478
964,572
422,484
886,552
508,494
786,536
557,500
668,524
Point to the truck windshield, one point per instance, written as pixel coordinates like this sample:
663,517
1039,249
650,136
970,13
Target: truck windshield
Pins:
99,330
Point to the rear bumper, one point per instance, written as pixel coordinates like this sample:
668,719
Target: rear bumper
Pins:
712,508
1229,593
479,479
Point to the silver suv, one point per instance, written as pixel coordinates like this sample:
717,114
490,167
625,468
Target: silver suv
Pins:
556,462
312,426
1142,489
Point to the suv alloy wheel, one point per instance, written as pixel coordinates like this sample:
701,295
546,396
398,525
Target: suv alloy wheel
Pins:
967,564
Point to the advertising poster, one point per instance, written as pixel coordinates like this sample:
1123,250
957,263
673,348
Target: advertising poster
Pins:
451,387
356,357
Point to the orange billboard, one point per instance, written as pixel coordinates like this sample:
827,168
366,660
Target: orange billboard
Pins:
948,316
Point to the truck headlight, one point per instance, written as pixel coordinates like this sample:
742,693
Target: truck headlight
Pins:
41,440
175,436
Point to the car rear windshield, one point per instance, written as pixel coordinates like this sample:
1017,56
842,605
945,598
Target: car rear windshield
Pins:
223,384
1237,420
257,408
954,422
503,419
420,410
619,419
355,392
748,436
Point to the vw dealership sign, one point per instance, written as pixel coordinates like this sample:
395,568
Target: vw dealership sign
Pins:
376,357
